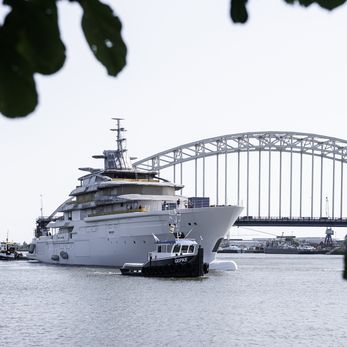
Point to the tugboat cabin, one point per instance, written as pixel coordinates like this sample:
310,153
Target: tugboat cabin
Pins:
173,248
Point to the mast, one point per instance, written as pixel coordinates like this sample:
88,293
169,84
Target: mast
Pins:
117,159
41,208
120,138
7,240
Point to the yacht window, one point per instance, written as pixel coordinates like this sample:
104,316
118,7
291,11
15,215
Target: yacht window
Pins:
176,249
168,250
184,248
191,249
159,249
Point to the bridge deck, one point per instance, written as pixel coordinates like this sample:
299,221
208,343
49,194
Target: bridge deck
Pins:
291,222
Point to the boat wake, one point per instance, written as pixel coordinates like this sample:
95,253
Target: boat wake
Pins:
223,265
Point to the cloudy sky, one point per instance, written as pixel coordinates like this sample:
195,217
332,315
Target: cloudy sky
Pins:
191,74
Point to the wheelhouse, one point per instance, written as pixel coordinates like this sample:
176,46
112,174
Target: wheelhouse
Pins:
173,248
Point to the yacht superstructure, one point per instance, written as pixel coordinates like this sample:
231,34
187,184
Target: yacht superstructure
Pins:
110,217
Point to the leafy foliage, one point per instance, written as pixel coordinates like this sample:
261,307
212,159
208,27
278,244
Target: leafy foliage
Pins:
327,4
30,43
102,31
18,95
238,10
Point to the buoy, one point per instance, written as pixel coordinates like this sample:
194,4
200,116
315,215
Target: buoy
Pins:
223,265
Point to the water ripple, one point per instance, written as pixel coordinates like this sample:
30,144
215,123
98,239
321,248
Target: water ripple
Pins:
281,301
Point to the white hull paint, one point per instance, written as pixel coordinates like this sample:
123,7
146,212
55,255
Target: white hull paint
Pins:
113,240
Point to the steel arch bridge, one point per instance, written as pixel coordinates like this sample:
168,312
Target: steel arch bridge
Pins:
294,162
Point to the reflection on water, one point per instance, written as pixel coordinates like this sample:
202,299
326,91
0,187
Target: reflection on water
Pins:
283,300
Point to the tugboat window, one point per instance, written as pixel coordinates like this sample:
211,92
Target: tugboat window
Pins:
191,249
184,248
176,249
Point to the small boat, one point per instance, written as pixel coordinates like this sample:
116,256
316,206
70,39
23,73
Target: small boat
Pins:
306,249
171,258
8,251
281,245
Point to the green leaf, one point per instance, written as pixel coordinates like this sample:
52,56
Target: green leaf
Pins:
18,96
33,26
327,4
305,3
238,11
103,33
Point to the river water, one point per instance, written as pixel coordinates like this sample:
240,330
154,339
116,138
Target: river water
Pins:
271,300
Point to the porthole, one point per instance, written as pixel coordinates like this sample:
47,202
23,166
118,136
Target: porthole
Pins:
189,223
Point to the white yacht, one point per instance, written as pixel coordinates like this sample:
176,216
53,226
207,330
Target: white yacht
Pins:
111,216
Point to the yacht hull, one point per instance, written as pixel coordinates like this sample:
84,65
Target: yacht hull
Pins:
113,240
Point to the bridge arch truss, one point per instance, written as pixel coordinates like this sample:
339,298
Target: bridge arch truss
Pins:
317,148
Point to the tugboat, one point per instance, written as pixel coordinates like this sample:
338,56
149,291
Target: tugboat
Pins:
171,258
8,251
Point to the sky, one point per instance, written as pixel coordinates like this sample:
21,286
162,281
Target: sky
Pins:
191,74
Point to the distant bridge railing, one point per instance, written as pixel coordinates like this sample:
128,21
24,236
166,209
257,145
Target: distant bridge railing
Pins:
289,222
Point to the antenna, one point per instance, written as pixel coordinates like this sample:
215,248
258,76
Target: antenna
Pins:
189,232
175,222
41,208
119,131
155,238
